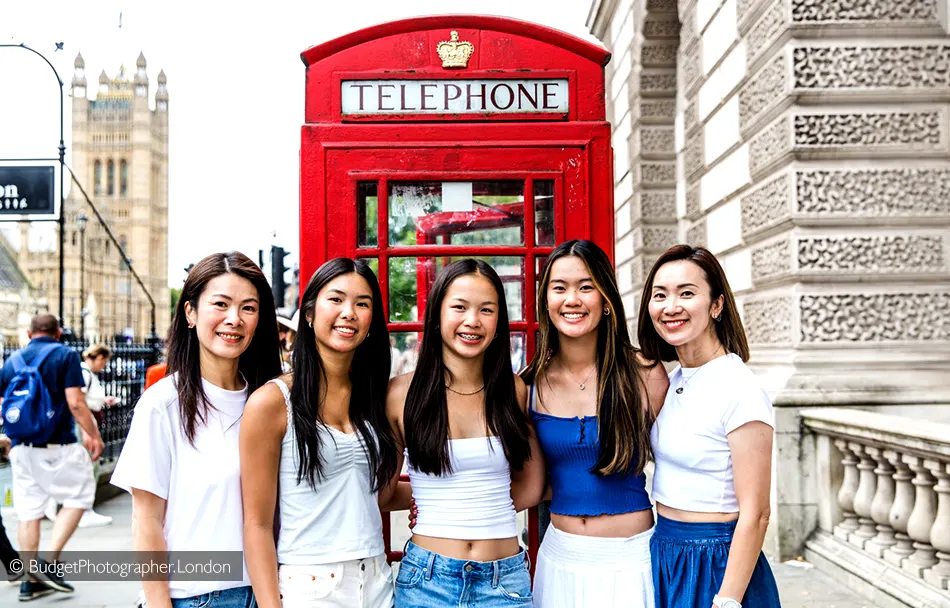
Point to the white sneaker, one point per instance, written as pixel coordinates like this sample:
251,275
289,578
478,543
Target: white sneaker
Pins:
91,519
50,511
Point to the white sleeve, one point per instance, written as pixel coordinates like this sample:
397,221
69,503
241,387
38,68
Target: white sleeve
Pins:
146,459
751,404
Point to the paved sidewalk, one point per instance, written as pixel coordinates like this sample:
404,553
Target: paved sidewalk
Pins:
799,587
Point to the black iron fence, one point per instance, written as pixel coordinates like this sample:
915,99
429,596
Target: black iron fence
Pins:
124,379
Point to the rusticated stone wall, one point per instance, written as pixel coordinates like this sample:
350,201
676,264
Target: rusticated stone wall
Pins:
811,147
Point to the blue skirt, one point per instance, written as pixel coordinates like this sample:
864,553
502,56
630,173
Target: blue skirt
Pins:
689,562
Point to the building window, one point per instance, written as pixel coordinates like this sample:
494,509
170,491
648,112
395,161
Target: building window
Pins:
110,172
74,238
123,178
98,175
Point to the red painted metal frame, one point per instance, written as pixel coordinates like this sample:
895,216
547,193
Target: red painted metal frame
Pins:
339,151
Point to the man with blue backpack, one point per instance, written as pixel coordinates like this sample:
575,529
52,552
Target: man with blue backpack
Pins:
41,385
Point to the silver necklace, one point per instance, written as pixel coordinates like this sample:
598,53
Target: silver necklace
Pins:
679,390
581,385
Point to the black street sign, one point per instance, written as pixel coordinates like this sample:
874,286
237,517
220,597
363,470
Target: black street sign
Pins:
27,190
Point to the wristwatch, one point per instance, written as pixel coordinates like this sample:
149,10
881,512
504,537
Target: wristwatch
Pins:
726,602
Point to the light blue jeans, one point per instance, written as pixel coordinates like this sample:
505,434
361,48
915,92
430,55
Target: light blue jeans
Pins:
430,580
236,597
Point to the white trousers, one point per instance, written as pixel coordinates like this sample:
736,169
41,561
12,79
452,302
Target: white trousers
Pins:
358,583
589,572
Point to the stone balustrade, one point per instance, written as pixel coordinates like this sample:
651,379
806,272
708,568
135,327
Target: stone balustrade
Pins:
883,500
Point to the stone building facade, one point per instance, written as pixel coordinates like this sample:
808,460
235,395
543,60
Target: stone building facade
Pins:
807,144
120,156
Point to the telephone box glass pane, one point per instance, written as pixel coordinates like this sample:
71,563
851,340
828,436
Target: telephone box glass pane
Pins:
404,351
544,212
367,215
518,351
410,276
456,213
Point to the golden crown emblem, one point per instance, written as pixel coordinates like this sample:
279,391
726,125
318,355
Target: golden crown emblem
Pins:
455,54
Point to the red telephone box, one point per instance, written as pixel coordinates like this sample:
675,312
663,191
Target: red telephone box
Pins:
431,139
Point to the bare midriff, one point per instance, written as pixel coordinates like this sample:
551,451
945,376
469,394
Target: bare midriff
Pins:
694,516
621,525
470,550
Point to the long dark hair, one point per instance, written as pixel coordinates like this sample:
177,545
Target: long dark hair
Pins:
426,414
623,424
729,328
258,364
369,376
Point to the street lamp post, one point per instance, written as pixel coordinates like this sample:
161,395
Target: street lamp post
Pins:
129,287
62,170
81,220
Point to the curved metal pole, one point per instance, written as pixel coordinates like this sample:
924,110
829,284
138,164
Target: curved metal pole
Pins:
62,169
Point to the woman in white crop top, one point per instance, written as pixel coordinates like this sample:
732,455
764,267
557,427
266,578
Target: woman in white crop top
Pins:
473,460
712,441
317,448
180,460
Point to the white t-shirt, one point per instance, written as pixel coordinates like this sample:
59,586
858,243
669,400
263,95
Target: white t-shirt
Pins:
95,392
690,436
201,484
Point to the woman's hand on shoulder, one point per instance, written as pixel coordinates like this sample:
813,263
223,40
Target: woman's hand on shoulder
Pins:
656,382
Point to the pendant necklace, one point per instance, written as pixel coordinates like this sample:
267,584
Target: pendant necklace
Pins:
581,385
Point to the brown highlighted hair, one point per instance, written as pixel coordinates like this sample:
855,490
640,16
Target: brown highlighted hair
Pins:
258,364
622,418
97,350
729,328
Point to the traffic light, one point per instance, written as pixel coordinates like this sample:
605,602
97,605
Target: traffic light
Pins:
277,270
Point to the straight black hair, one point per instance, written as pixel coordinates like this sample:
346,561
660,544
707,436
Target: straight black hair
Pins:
426,414
369,377
258,364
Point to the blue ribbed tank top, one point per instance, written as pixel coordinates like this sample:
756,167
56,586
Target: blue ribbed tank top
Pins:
571,448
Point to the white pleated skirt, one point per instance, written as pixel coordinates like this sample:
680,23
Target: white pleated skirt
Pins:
588,572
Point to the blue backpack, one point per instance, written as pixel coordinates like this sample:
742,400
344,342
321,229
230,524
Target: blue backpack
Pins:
28,410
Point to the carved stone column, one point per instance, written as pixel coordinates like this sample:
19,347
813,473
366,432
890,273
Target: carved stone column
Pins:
849,487
901,509
867,485
921,519
939,575
881,504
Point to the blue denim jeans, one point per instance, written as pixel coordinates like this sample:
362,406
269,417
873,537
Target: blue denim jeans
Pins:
429,580
236,597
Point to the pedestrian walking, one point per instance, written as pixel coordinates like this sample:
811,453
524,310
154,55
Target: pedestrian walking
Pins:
316,447
591,399
473,460
43,401
9,556
181,461
712,441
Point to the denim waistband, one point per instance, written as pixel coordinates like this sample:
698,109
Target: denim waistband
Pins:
433,562
671,530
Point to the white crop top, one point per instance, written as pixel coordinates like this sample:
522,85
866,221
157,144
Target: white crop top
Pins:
473,502
340,520
703,405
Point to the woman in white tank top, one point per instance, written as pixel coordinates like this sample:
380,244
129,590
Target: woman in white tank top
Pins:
473,461
317,448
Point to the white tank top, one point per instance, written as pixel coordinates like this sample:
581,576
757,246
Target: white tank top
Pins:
473,502
340,520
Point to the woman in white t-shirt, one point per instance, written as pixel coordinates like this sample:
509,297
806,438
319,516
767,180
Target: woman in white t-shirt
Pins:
712,441
180,460
317,448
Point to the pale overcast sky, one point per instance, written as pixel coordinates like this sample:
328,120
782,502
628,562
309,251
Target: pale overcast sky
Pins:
236,92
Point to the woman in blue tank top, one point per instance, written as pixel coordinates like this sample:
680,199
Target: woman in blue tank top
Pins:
462,421
590,399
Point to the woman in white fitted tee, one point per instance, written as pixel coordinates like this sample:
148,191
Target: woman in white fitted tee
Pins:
316,446
712,441
180,460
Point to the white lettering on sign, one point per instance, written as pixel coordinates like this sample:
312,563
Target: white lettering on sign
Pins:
455,96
